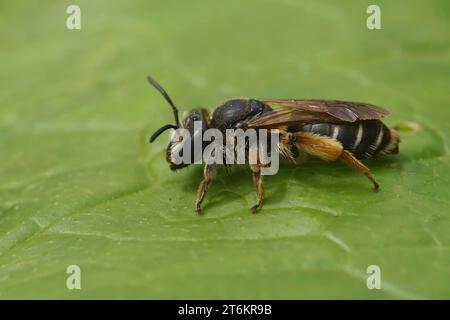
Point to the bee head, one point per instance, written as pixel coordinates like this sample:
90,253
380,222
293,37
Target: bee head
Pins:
195,123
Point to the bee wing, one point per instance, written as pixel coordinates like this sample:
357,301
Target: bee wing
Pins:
313,111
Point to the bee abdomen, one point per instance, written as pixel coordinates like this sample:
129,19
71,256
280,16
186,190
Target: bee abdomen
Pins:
365,139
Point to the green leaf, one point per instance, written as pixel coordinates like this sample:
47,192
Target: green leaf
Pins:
80,185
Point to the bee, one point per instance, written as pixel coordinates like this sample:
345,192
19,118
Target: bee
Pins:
327,129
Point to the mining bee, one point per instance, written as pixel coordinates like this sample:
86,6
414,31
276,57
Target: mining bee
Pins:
327,129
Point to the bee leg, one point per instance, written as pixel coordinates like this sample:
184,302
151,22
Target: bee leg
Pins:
330,150
258,179
354,163
209,174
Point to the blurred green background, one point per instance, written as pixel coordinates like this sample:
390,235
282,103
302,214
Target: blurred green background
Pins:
79,184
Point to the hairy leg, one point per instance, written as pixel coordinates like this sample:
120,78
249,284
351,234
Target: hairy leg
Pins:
354,163
209,174
329,149
258,179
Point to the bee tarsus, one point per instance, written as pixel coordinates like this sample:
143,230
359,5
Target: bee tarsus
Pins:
258,179
209,174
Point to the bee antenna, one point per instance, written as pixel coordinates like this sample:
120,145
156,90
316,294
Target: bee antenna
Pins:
161,130
158,87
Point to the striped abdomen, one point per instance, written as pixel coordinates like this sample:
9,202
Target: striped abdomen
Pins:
365,139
